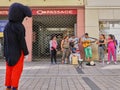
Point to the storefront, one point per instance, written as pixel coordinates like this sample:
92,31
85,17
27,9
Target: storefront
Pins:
45,22
54,21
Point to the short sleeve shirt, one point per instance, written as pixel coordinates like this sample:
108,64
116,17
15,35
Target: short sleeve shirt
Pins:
84,39
76,42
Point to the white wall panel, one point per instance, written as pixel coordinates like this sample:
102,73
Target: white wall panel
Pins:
91,17
104,3
44,2
106,14
117,14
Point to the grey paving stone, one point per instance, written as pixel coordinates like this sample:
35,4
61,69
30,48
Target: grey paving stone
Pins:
44,76
79,70
91,84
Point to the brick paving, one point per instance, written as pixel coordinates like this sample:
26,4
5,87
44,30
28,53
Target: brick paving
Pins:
44,76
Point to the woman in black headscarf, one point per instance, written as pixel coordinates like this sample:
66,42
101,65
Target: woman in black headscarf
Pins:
15,48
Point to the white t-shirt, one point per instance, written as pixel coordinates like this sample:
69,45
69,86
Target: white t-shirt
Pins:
76,42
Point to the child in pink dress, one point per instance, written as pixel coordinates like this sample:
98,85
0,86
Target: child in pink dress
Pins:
111,49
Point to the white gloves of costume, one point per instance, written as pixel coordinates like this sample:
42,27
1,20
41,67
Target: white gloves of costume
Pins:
26,57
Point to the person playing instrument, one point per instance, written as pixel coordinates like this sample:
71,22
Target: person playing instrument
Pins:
101,47
87,47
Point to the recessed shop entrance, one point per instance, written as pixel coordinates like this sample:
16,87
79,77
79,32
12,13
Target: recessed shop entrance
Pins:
44,26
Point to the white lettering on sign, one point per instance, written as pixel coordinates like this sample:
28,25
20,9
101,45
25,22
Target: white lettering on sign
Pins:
53,12
3,12
46,12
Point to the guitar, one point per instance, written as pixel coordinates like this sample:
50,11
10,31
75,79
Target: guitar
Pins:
87,43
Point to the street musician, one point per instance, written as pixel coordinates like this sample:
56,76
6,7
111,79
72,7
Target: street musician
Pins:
86,42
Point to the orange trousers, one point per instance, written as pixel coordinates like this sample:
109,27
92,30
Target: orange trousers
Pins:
13,73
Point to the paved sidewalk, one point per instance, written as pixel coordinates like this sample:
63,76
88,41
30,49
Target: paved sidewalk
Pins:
39,76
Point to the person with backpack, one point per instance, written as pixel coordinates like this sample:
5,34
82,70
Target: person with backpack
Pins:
65,47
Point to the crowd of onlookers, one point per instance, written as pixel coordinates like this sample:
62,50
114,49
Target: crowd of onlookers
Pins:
68,46
73,46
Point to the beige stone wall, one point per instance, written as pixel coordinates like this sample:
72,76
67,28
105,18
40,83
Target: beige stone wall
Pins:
92,27
109,14
92,18
103,3
44,2
8,3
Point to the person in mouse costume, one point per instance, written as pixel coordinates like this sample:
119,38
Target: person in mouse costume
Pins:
15,48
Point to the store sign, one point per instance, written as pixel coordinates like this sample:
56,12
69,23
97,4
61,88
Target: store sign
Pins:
3,12
54,12
47,12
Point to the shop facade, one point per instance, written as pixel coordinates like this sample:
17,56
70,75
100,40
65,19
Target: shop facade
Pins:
54,21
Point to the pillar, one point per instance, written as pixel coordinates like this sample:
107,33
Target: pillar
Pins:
80,22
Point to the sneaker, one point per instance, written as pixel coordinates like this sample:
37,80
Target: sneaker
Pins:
103,62
88,64
14,89
62,62
115,62
80,60
108,62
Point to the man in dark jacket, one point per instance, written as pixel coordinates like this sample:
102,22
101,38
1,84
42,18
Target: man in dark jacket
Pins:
15,48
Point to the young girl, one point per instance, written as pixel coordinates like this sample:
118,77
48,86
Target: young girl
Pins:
53,49
101,47
111,49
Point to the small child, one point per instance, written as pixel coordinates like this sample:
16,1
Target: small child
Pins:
75,52
111,49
